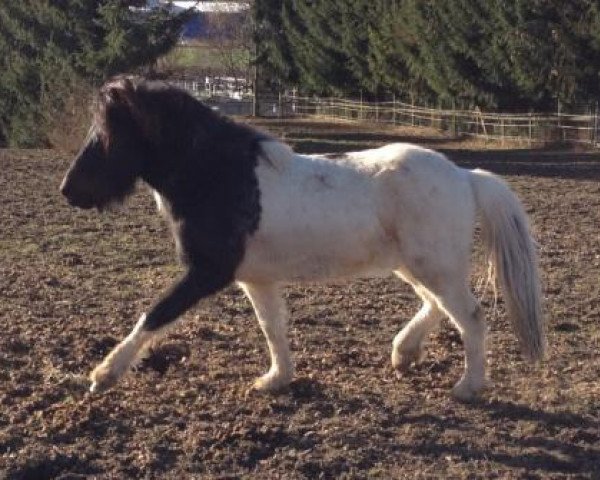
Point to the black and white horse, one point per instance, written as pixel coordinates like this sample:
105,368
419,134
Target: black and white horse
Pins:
245,208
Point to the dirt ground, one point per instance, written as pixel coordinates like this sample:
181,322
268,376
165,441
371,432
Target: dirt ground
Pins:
73,283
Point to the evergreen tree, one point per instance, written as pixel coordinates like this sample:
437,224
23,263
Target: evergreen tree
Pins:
393,43
45,46
357,19
272,56
504,54
315,43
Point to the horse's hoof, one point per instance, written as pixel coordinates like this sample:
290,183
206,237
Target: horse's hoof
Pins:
101,387
402,361
465,392
102,379
271,383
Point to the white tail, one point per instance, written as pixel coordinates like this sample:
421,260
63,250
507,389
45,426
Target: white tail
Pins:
512,255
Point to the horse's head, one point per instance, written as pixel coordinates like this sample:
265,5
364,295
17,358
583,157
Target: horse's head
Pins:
113,155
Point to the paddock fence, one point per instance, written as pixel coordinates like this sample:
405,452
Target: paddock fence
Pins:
532,128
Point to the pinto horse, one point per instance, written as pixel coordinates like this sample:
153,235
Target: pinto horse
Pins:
245,208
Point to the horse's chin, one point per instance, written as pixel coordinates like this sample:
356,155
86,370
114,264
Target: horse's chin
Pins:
99,206
82,204
112,203
111,207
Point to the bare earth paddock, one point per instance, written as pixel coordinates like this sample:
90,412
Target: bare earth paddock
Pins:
72,284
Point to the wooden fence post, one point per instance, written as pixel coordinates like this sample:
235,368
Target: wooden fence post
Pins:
280,107
480,115
454,125
361,116
530,127
595,141
561,130
294,106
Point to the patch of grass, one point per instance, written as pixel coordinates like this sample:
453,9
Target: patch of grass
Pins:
206,56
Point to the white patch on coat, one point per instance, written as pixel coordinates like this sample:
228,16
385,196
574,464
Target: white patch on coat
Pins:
399,208
368,214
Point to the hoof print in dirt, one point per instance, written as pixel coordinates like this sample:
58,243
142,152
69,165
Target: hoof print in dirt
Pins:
566,327
306,388
161,358
102,346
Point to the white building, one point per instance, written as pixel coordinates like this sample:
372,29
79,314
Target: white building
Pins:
211,6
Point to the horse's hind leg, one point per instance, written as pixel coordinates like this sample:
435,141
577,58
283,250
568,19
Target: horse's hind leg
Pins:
464,311
408,344
272,316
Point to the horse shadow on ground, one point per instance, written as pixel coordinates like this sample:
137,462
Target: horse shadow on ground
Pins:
559,452
52,461
59,465
546,455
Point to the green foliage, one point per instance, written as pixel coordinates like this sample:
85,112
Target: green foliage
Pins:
273,55
46,47
507,54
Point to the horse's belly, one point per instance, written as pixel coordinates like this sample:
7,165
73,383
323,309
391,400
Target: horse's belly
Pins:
309,253
274,265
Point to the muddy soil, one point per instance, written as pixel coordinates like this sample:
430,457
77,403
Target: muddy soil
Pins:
73,283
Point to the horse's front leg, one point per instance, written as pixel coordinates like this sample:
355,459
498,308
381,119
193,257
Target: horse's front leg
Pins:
183,295
272,316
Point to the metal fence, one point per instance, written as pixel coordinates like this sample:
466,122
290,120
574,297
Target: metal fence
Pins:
533,128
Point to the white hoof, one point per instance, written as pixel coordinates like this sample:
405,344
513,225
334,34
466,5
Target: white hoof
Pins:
272,382
469,390
403,358
104,377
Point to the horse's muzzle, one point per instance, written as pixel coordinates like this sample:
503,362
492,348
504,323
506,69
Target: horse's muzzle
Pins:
75,198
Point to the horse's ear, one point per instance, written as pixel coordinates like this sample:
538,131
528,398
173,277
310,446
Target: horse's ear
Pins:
120,94
119,91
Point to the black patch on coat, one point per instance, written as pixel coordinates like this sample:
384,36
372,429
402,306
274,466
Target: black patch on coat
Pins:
204,167
201,163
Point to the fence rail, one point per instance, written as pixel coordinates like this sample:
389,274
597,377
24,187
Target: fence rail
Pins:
533,128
